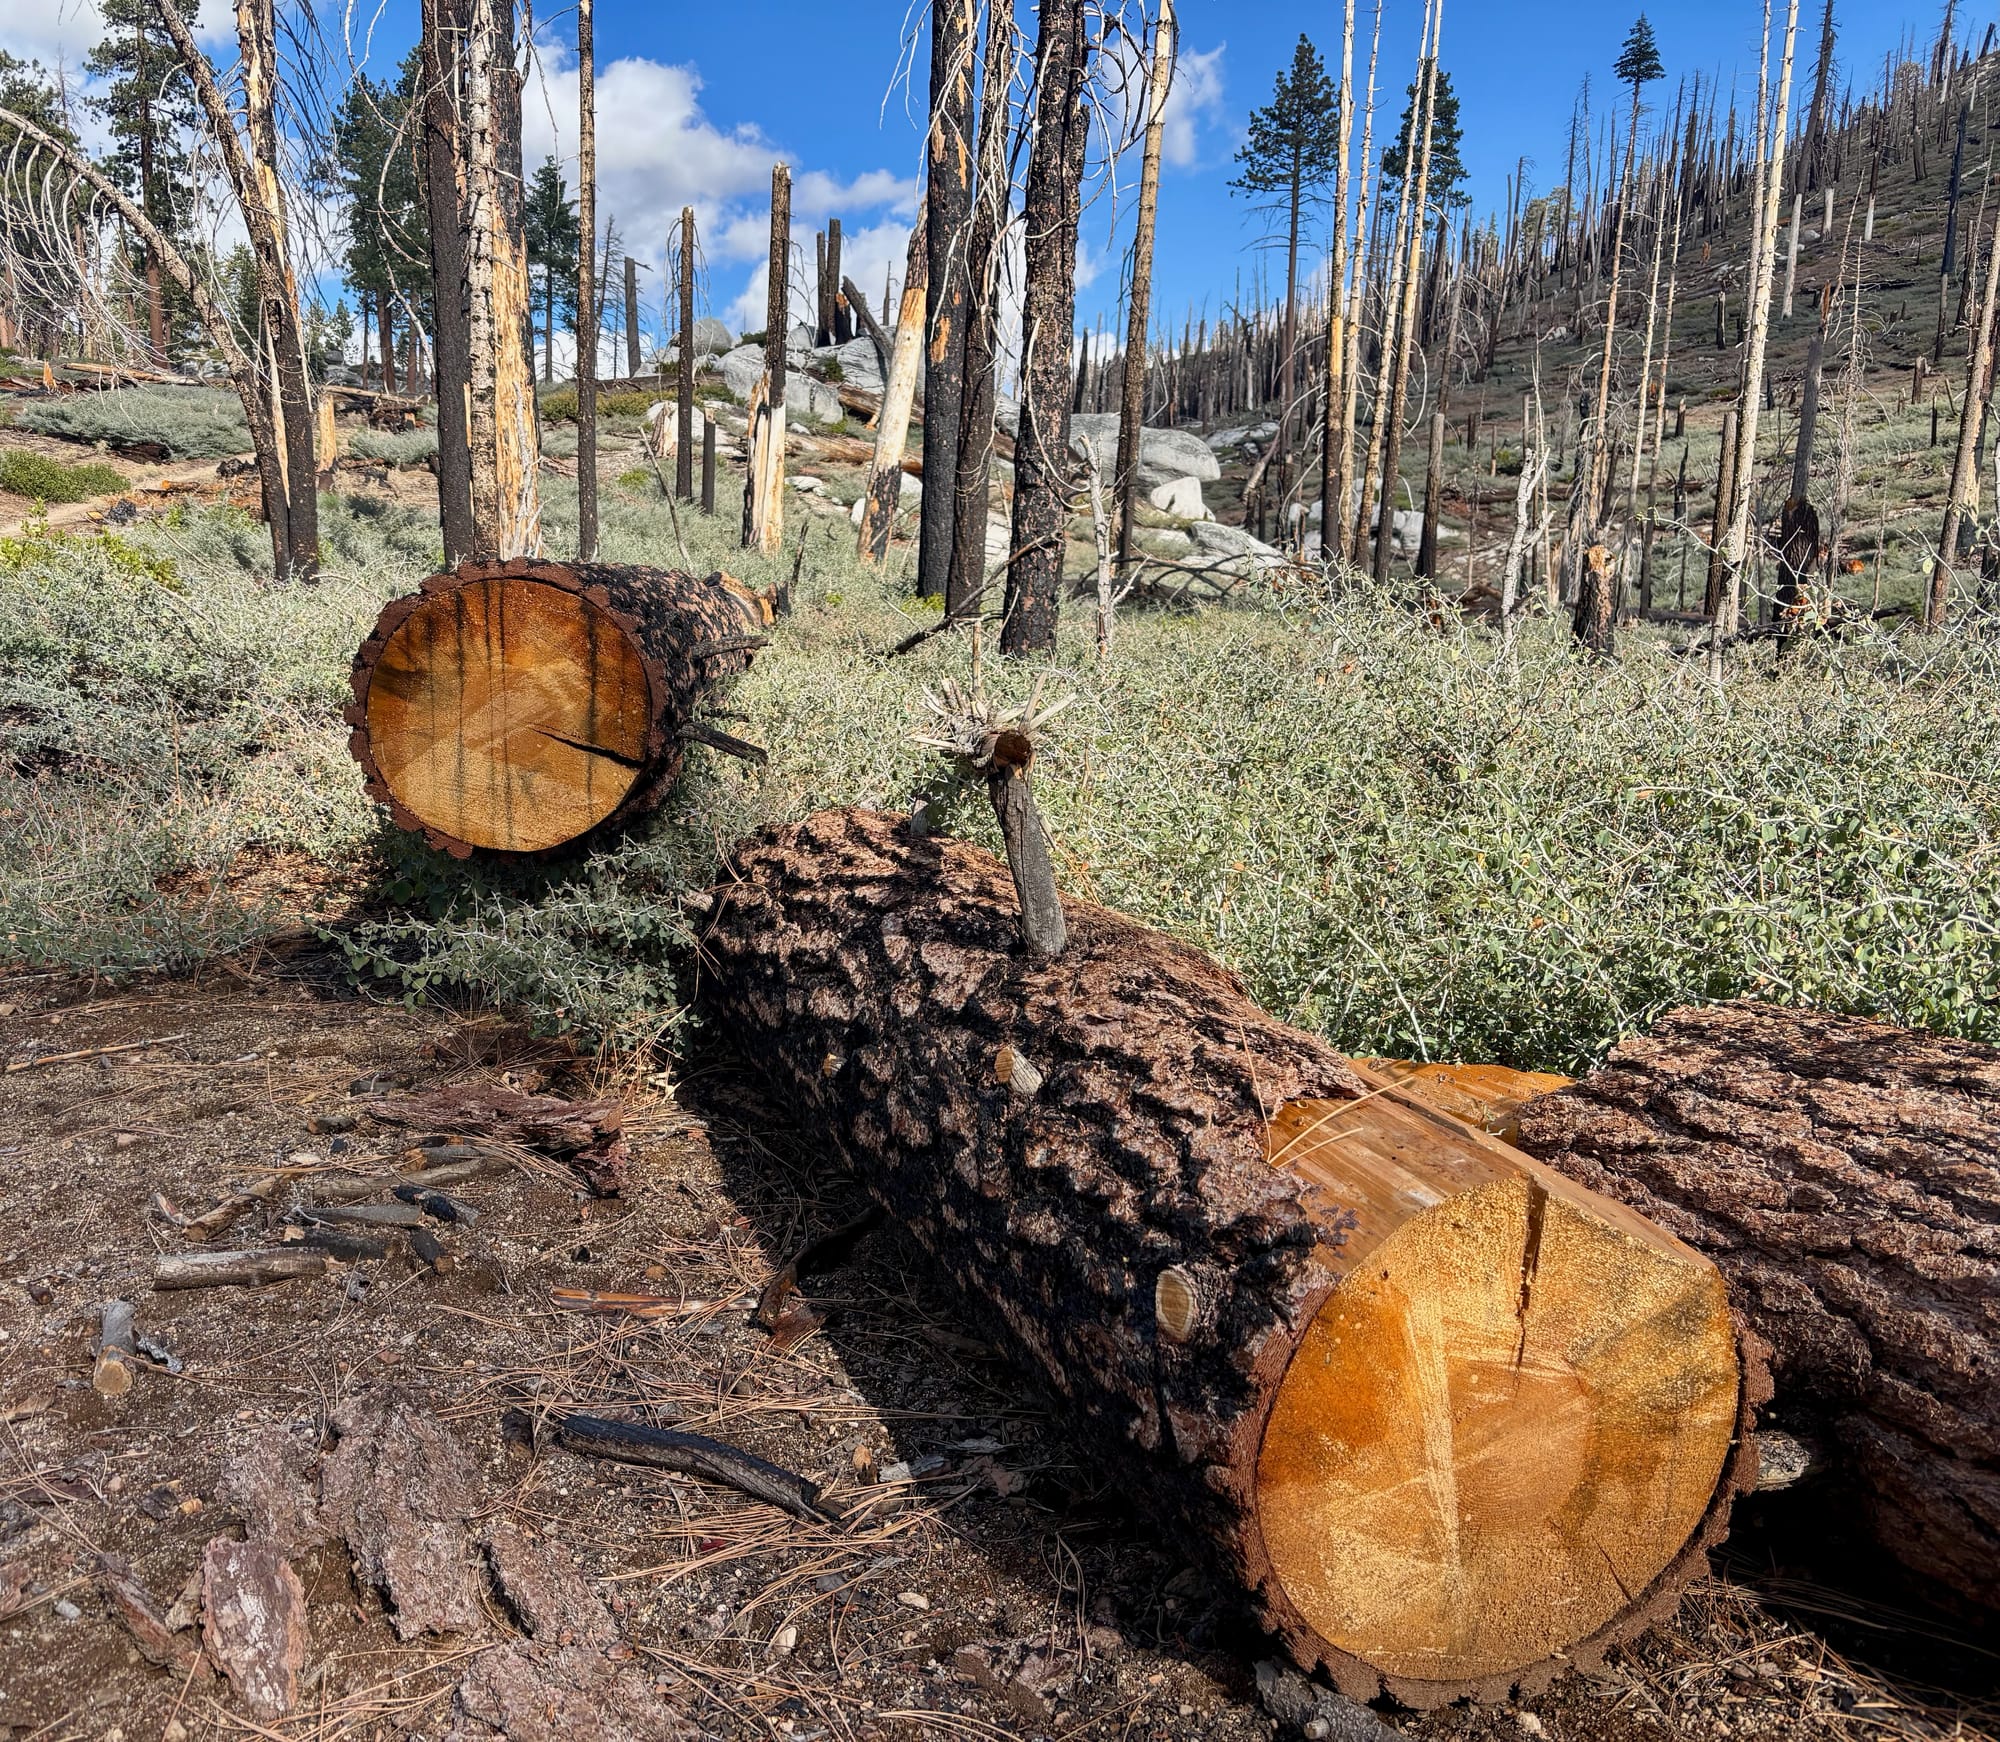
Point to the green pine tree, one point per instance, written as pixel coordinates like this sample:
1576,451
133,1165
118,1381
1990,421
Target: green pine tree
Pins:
555,236
1445,189
1287,162
152,118
375,167
1639,64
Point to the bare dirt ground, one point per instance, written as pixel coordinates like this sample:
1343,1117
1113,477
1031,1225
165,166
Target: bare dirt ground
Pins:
974,1580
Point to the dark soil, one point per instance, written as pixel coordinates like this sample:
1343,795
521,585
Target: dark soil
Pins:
981,1582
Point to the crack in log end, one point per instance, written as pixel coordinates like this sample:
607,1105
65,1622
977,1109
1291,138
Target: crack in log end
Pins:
1515,1390
1531,1258
603,750
518,705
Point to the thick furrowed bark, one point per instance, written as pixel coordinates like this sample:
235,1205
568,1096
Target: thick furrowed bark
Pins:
1200,1229
518,705
1841,1173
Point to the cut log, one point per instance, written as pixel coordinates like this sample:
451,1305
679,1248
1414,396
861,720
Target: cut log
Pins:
1452,1421
111,1372
518,705
1842,1174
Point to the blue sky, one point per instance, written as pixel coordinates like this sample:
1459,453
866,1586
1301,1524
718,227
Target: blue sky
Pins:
695,101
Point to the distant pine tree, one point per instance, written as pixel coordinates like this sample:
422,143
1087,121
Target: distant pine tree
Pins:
1290,158
151,115
555,236
1639,64
1446,188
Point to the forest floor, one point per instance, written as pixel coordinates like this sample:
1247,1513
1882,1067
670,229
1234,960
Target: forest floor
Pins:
978,1581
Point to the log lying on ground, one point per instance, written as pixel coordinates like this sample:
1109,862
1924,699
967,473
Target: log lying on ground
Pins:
518,705
1843,1175
1453,1421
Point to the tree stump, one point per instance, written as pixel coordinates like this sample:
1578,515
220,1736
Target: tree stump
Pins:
1842,1175
1451,1420
518,705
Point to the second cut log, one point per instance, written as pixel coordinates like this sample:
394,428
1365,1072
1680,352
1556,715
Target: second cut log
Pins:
1450,1419
516,706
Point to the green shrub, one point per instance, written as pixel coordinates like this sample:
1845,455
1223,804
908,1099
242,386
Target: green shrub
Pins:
625,402
638,478
46,480
404,448
192,422
832,370
1409,840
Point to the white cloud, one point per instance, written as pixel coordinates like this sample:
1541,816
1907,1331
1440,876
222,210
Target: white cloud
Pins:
1194,100
657,151
62,32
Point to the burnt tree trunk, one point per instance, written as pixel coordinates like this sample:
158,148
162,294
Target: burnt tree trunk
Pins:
517,705
587,324
1445,1416
1841,1174
965,580
503,423
1050,210
948,223
451,343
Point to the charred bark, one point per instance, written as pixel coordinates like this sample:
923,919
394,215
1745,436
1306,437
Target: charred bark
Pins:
1050,209
948,223
965,582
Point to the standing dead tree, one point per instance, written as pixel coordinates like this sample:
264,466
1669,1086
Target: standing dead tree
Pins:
586,283
1964,498
1138,302
1336,453
764,492
248,147
965,579
1051,210
439,51
1404,329
892,423
1763,271
472,119
948,215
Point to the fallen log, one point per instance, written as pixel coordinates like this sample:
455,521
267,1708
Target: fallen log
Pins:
247,1269
518,705
1451,1420
1842,1175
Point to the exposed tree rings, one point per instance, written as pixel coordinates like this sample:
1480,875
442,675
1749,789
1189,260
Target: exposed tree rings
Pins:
1461,1474
509,713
